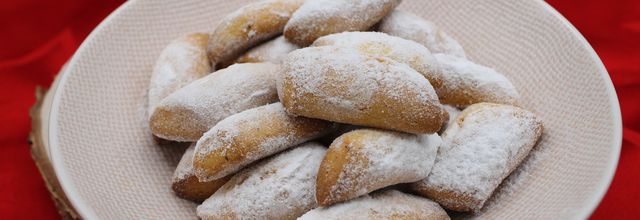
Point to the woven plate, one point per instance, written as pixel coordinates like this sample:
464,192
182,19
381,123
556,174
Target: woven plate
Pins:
109,167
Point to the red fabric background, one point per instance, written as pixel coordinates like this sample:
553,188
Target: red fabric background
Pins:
38,36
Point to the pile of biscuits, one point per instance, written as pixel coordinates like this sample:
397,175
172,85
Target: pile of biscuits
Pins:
412,126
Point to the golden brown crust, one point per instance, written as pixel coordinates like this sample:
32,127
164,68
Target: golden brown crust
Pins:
469,97
251,135
332,166
450,199
346,86
192,189
164,121
462,83
185,183
249,26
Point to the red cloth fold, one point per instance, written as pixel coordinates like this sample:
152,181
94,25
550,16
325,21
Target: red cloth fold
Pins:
38,36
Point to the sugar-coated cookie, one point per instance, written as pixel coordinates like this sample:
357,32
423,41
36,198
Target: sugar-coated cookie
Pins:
383,205
248,26
181,62
185,183
248,136
347,86
485,144
271,51
364,160
191,111
412,27
463,83
281,187
404,51
316,18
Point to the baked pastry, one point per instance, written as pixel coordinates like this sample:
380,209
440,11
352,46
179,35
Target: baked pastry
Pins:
463,83
457,81
271,51
387,204
412,27
248,26
404,51
281,187
364,160
348,86
317,18
248,136
181,62
185,183
453,114
487,142
191,111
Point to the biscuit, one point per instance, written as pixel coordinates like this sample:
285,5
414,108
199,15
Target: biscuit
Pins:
181,62
185,183
248,26
485,144
412,27
191,111
364,160
387,204
248,136
271,51
317,18
404,51
281,187
347,86
463,83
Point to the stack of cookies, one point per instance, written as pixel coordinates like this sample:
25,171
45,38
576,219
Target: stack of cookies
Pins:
334,109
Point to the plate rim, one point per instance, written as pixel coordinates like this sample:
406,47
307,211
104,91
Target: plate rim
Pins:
66,182
614,157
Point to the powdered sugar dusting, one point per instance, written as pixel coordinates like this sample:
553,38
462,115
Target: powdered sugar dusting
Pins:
182,61
283,133
221,94
272,51
345,85
475,82
322,17
405,51
389,158
484,146
281,187
412,27
518,178
388,204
